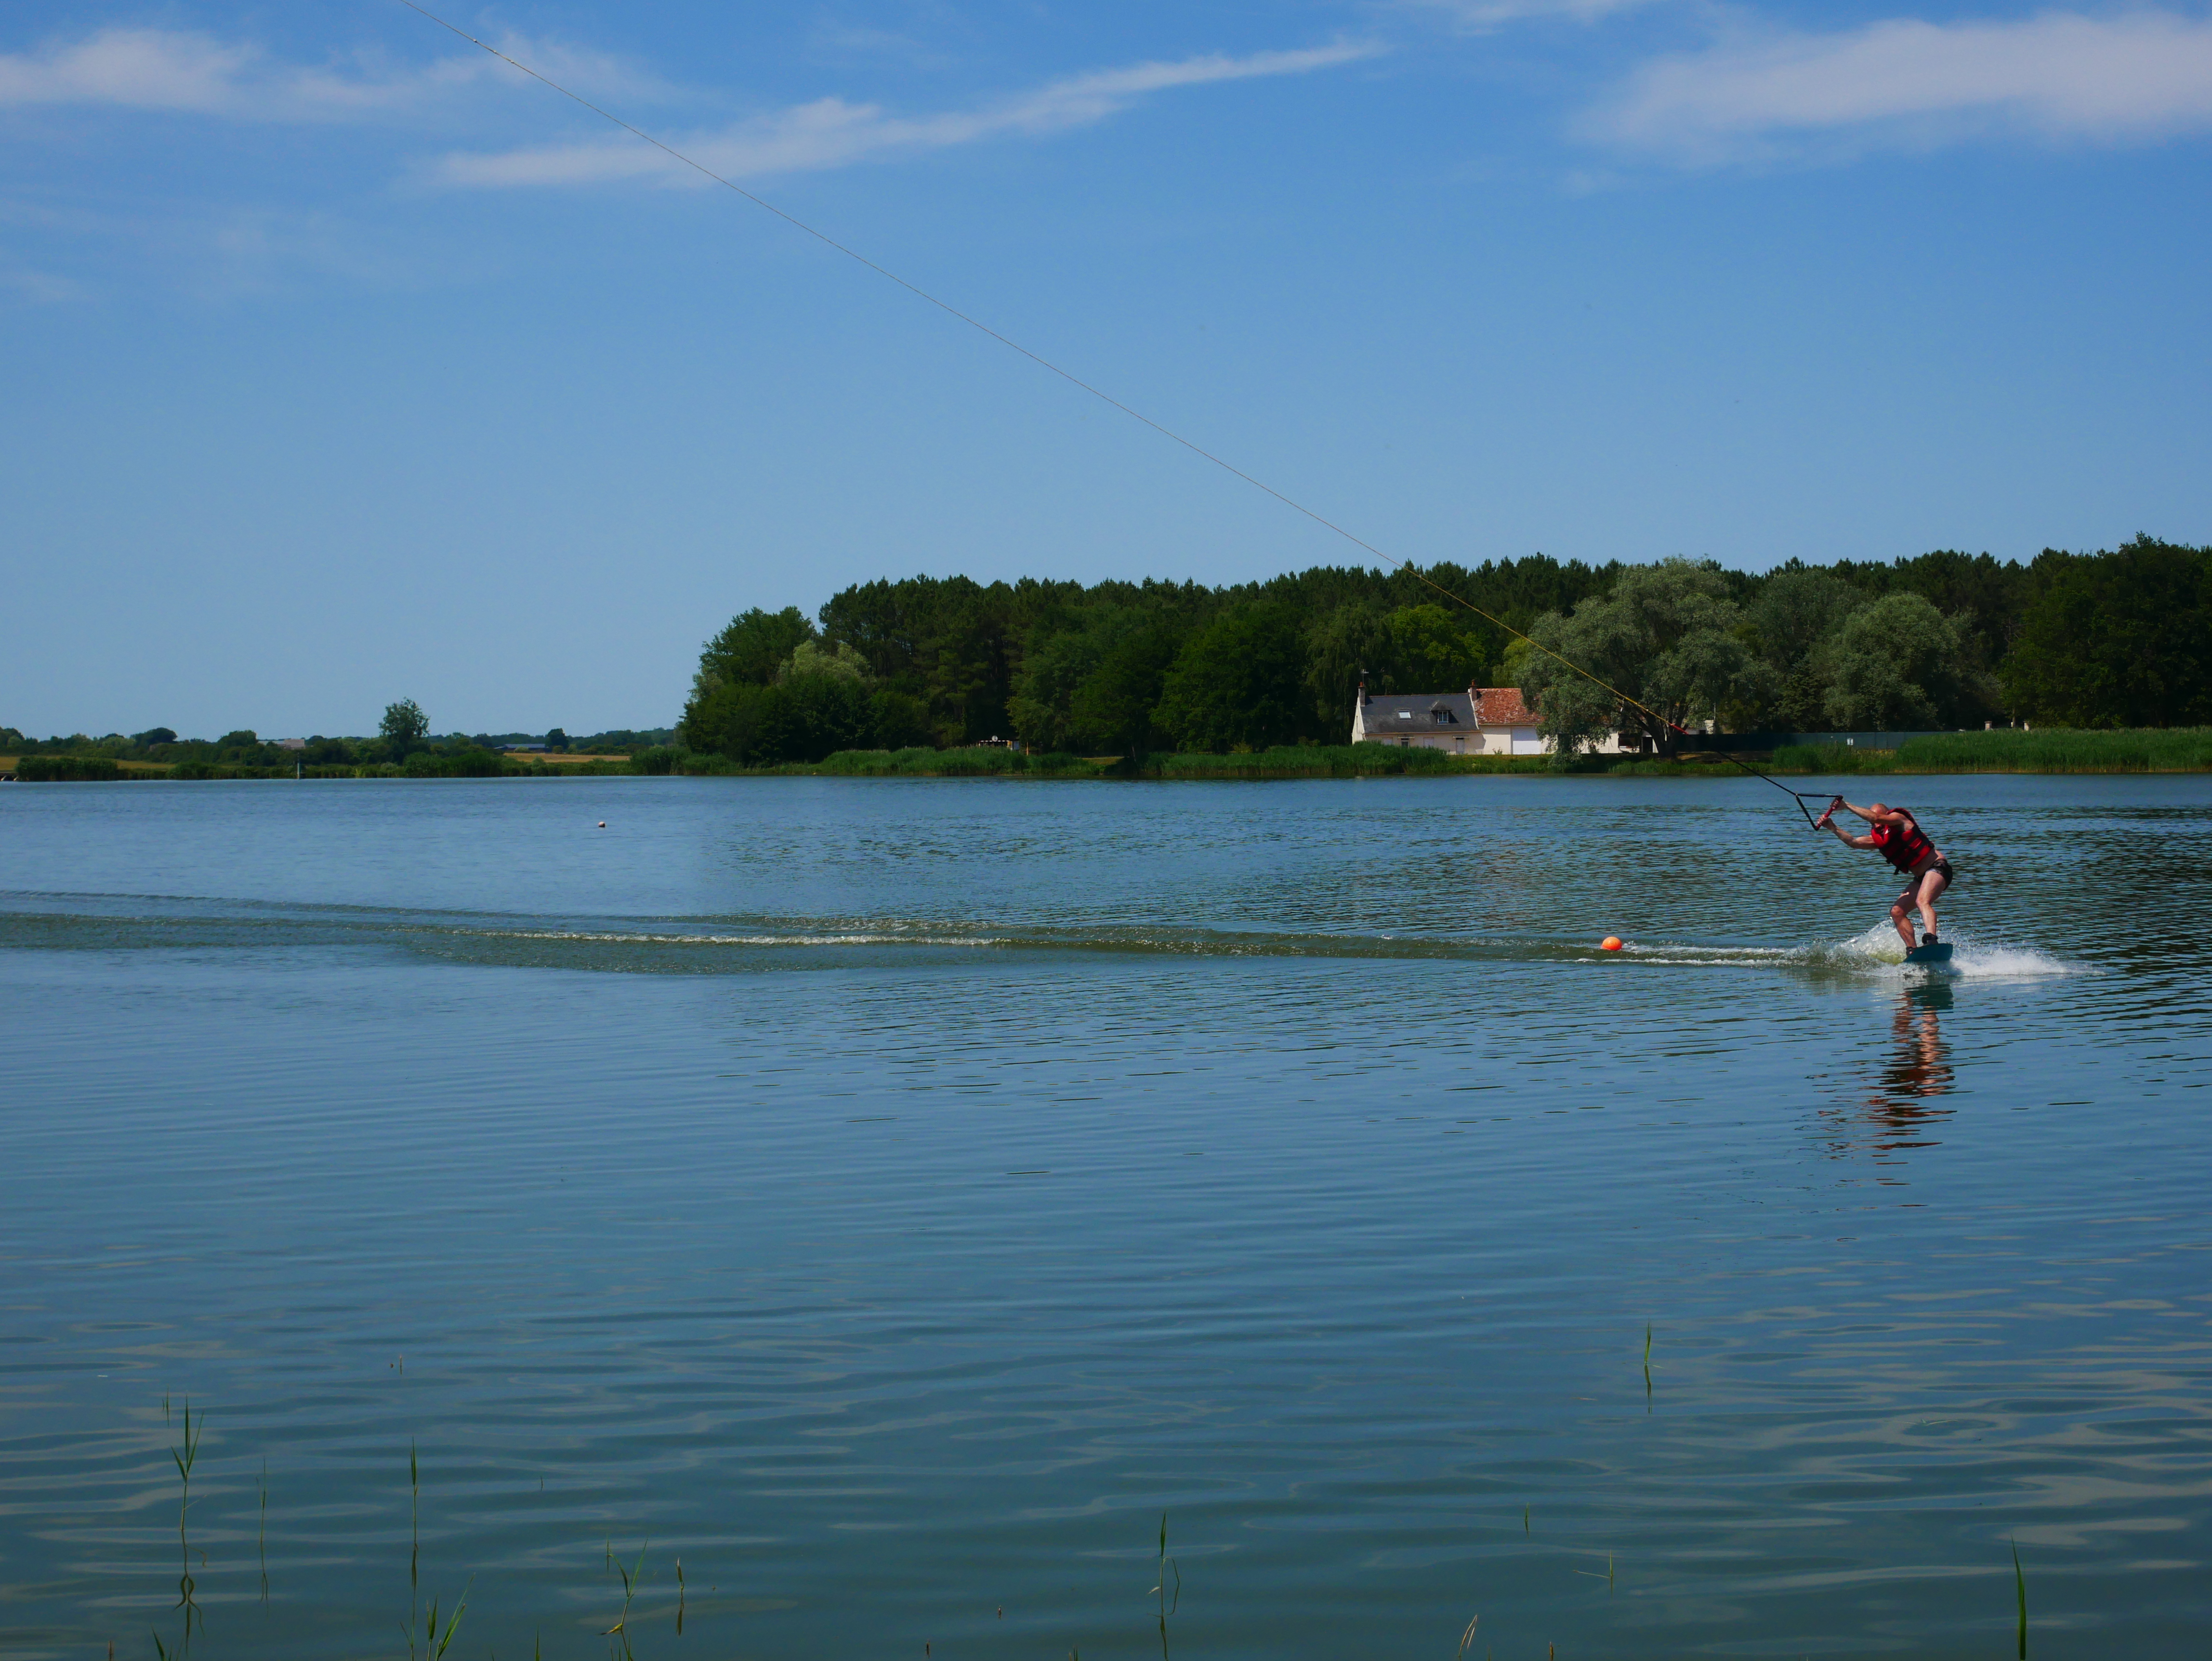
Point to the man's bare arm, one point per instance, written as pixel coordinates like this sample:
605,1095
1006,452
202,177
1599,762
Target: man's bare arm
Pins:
1828,823
1887,816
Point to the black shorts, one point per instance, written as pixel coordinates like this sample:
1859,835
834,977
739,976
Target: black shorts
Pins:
1912,883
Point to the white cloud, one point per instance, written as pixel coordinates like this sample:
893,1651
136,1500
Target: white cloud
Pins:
830,132
144,68
2133,75
171,70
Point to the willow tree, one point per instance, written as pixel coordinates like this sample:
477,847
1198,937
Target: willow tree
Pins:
1667,634
1895,664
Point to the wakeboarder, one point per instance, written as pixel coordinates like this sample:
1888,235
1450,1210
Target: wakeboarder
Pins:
1897,835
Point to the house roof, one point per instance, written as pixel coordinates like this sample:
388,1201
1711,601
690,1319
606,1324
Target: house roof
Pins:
1501,706
1419,712
1430,712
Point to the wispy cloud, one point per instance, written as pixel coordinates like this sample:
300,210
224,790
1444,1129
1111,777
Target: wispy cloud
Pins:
143,69
830,132
28,283
833,40
176,70
2133,76
1496,14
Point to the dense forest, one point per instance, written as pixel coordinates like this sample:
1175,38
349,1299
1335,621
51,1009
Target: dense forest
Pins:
1943,640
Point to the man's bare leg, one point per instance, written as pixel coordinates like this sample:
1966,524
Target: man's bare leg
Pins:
1900,915
1932,882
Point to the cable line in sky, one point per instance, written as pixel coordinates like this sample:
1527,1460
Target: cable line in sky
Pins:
1072,380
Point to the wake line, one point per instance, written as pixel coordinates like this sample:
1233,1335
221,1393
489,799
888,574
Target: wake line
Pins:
636,943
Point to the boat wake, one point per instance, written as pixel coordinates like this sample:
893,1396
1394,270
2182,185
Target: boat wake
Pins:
1880,951
699,945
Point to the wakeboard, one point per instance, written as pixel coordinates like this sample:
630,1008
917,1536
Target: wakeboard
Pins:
1935,952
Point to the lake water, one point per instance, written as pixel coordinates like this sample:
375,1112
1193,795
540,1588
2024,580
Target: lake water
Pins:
891,1197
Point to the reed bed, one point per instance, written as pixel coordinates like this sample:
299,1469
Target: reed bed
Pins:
2137,750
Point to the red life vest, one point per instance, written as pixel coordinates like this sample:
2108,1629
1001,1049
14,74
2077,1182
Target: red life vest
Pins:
1902,845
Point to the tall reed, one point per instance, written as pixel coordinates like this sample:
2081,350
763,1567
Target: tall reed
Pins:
631,1579
435,1644
1160,1590
186,1455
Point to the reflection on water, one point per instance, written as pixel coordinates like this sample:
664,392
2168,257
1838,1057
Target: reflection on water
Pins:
1901,1105
1918,1068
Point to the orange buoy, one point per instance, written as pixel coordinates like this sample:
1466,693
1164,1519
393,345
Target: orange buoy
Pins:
1610,943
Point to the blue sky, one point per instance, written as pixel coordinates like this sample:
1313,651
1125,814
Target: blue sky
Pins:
344,364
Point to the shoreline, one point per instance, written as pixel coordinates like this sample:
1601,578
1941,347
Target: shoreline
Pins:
2145,751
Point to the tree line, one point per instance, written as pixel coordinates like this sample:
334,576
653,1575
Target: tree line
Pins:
403,741
1943,640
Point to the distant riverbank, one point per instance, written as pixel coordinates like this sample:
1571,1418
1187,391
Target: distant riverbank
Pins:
2183,750
2177,750
427,764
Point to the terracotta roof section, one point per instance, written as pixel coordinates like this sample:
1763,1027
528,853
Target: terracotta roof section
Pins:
1501,706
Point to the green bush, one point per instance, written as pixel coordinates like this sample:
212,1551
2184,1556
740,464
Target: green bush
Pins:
57,769
1833,758
918,761
470,763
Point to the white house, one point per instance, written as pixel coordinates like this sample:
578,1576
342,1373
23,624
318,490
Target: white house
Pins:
1483,720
